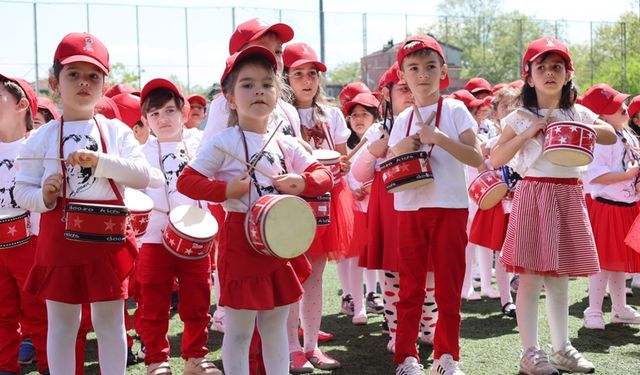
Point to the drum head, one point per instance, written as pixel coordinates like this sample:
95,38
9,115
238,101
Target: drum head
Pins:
289,227
568,157
327,156
193,222
137,201
8,213
493,197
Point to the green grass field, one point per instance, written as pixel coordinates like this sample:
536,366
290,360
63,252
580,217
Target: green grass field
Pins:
489,342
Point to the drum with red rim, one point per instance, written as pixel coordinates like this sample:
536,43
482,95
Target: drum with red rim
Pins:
321,207
91,222
331,160
282,226
569,143
15,228
140,206
407,171
190,232
487,189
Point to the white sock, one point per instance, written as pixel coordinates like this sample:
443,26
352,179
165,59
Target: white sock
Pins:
355,286
485,263
527,308
597,290
502,279
108,323
557,292
275,353
467,285
617,290
238,330
311,304
342,266
391,287
370,280
63,324
429,308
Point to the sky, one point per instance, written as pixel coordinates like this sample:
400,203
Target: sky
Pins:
163,35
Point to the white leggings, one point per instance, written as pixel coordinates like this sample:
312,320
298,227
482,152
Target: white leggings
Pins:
350,276
108,323
598,288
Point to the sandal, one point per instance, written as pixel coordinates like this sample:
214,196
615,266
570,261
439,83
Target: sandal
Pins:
322,361
159,368
509,309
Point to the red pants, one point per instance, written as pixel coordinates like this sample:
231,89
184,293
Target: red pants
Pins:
155,272
18,307
438,235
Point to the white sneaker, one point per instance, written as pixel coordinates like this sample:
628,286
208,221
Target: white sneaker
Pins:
217,321
535,362
628,315
593,319
445,365
569,359
410,366
473,296
635,282
491,293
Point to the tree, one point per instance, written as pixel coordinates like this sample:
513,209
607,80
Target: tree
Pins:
120,74
344,73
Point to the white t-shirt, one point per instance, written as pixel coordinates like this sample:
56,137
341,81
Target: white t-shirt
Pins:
449,188
334,124
8,155
214,164
611,158
175,156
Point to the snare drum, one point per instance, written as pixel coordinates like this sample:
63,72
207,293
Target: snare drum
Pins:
321,207
190,232
407,171
140,206
569,144
15,228
282,226
331,160
90,222
487,189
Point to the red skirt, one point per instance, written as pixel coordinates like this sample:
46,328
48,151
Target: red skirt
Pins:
489,227
249,280
78,272
382,230
219,214
549,231
359,241
334,239
610,225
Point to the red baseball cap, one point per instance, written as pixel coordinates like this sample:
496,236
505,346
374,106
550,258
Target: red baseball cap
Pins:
296,54
477,84
255,28
247,52
498,87
352,89
119,89
634,106
517,84
365,99
545,45
129,107
82,47
159,83
469,100
28,92
195,98
603,99
417,43
108,108
44,103
390,76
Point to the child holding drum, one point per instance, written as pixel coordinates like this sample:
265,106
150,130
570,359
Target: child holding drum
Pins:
240,167
78,168
432,214
549,237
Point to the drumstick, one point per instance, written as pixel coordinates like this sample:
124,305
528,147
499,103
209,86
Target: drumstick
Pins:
44,159
259,154
551,109
240,160
419,116
358,147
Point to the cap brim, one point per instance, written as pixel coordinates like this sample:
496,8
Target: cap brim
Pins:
615,103
320,66
87,59
250,51
284,31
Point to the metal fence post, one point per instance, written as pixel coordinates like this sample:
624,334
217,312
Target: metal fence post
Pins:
35,44
186,37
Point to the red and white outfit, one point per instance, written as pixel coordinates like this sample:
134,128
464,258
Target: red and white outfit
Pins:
432,227
20,311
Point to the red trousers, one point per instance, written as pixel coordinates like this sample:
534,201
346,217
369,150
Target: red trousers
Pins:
155,272
439,235
19,307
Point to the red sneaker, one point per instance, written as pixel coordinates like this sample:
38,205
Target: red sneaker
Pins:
322,336
322,361
298,363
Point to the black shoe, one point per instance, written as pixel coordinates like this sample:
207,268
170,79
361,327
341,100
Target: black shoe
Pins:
174,301
132,359
509,309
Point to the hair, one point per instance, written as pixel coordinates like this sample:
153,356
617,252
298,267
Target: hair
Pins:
387,108
16,91
507,91
229,83
159,97
319,99
422,52
353,138
529,98
48,116
632,125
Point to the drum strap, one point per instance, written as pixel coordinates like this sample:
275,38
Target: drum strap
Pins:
438,115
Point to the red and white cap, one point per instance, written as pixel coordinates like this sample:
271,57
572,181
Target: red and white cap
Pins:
129,107
390,76
603,99
539,47
82,47
255,28
28,92
46,104
247,52
419,42
159,83
108,108
365,99
119,89
634,106
477,84
352,89
195,98
296,54
517,84
498,87
469,100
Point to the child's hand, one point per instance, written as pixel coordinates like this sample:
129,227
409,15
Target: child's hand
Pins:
534,129
238,186
289,183
430,135
406,145
84,158
632,170
359,194
51,189
378,148
345,165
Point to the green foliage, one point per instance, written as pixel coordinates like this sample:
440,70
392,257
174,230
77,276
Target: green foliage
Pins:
121,74
344,73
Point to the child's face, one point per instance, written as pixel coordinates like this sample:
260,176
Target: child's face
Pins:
360,120
166,121
504,107
141,131
254,94
401,98
304,81
423,74
548,76
10,113
80,86
196,115
619,119
481,113
272,42
39,120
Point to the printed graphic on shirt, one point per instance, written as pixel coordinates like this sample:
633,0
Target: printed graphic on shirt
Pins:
79,179
172,165
285,127
7,184
264,189
315,134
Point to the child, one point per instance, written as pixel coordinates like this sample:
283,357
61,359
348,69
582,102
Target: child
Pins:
432,218
350,90
20,310
634,115
198,109
252,285
46,112
99,157
323,127
612,177
548,238
156,268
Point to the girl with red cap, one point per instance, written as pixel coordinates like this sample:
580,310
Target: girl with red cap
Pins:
549,238
81,159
